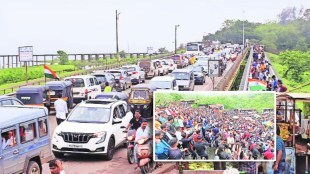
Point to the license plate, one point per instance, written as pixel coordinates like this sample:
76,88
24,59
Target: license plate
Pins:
75,146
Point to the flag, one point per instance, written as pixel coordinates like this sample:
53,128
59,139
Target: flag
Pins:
256,85
48,73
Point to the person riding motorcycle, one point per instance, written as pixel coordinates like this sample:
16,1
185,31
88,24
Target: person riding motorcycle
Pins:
135,122
143,133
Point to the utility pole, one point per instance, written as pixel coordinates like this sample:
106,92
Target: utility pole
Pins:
243,30
117,51
175,37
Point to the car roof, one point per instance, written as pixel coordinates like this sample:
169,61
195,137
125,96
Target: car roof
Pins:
101,103
18,114
148,86
80,76
163,78
32,89
118,94
182,70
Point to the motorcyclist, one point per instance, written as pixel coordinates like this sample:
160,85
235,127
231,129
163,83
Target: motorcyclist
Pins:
143,133
135,122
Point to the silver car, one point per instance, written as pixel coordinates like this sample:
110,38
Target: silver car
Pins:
122,79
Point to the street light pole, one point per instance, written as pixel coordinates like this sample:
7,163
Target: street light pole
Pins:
175,37
117,51
243,31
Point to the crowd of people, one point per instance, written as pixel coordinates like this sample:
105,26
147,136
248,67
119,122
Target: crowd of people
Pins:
183,132
260,70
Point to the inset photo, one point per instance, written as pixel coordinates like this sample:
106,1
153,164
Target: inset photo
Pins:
214,126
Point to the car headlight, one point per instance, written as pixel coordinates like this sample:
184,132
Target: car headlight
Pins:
101,135
56,135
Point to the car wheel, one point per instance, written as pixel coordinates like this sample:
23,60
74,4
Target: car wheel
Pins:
58,154
111,147
33,168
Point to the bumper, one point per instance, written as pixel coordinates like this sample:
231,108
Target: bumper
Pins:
135,81
183,88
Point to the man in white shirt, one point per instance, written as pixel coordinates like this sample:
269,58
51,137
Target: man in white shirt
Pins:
143,133
61,109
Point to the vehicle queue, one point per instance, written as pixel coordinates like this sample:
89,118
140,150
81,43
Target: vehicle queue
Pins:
82,132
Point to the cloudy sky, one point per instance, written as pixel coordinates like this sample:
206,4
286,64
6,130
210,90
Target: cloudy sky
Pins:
80,26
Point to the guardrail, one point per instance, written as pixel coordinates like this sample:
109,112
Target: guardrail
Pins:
244,82
11,91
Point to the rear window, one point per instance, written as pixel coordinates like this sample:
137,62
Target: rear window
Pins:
129,69
116,73
144,64
100,78
77,82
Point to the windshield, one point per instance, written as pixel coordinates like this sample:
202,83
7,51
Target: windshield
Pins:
129,69
161,84
164,63
140,95
180,76
197,69
115,73
100,78
192,48
90,115
77,82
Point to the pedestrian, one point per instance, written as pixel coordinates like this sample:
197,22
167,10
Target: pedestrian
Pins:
281,87
107,87
56,167
61,109
279,165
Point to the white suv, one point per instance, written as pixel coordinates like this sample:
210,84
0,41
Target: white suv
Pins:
84,87
93,127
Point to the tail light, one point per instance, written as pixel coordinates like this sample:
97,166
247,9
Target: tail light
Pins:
86,91
135,72
121,77
171,65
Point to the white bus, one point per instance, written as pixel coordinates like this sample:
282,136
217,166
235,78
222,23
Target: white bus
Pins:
194,48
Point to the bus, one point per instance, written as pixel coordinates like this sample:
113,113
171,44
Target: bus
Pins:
194,48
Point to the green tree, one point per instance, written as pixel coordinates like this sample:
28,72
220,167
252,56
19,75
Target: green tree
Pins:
162,50
63,57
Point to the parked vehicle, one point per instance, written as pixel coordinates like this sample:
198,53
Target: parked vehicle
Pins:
141,99
122,79
93,127
184,78
114,96
200,77
63,87
171,65
25,135
84,87
149,67
164,83
145,157
178,59
165,65
136,73
34,95
8,100
161,67
104,77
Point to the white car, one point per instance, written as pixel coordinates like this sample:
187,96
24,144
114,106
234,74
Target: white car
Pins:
136,73
84,87
164,83
171,65
165,64
93,127
162,69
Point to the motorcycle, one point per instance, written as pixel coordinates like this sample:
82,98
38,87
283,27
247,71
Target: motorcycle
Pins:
130,145
145,157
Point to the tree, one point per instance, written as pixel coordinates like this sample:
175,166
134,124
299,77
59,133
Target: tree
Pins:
306,15
122,54
63,57
162,50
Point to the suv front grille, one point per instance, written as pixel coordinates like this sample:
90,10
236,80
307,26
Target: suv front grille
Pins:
76,137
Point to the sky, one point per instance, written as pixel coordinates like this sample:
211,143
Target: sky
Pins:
80,26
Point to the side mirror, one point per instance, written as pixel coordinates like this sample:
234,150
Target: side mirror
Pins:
117,121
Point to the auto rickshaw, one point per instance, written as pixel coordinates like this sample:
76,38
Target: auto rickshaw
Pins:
141,99
192,60
63,87
34,95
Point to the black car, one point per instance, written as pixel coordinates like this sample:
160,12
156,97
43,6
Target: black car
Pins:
104,77
200,76
8,100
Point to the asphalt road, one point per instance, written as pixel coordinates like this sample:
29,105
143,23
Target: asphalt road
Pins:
86,164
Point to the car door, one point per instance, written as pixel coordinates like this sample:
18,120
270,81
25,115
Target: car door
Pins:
111,79
117,130
128,78
122,108
97,86
10,153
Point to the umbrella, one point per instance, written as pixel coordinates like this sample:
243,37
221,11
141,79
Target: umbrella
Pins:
235,117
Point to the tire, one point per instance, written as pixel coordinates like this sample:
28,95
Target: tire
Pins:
148,167
33,168
111,147
130,156
58,154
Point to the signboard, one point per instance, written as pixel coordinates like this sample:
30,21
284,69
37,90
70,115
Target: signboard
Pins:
214,68
25,53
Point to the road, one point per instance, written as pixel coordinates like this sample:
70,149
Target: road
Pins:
82,164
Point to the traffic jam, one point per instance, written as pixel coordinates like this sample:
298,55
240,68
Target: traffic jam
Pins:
99,113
